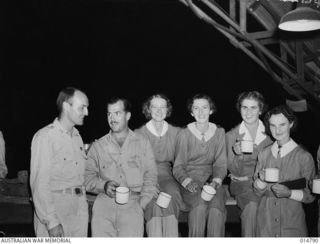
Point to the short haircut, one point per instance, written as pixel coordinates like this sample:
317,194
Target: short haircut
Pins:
201,96
126,103
64,96
146,105
286,111
253,95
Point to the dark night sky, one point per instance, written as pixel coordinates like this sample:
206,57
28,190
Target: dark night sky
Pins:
107,48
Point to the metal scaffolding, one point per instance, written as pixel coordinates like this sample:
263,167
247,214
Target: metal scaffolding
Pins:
292,59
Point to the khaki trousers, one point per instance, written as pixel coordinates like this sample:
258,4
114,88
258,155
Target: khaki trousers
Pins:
110,219
72,212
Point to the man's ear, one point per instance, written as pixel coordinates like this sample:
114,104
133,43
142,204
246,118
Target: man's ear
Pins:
65,106
128,116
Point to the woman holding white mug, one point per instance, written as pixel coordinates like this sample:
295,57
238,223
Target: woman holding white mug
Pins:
201,154
162,222
280,211
241,164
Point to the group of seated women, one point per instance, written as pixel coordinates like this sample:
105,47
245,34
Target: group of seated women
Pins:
203,154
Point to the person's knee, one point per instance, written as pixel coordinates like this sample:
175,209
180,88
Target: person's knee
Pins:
198,210
218,215
135,230
252,205
250,208
197,215
216,211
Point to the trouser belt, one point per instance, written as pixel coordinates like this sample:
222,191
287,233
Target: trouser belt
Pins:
77,190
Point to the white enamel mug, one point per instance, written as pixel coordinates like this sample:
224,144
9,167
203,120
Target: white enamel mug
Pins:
272,174
163,200
246,146
316,186
122,194
208,192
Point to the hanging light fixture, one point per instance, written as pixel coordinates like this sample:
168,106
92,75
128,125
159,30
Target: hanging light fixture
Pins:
303,18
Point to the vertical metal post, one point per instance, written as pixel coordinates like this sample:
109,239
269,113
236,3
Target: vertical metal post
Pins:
299,60
232,9
243,15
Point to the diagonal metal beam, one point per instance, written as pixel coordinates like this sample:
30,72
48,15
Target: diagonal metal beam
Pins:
228,33
235,30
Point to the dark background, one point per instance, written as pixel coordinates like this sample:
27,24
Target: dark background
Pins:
128,48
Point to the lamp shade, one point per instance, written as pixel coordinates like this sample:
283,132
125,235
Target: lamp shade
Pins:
300,19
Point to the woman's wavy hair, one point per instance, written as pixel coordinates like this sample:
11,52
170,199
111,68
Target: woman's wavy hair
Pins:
286,111
254,95
212,105
146,105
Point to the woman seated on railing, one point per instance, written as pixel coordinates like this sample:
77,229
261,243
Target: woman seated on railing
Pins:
201,154
281,175
244,142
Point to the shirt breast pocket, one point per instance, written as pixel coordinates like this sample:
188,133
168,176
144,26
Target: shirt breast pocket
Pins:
64,166
133,172
107,169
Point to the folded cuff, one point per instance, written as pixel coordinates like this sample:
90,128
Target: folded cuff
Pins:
144,202
260,184
52,223
296,195
100,185
186,182
217,180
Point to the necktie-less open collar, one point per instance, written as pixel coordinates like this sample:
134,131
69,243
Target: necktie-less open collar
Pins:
284,149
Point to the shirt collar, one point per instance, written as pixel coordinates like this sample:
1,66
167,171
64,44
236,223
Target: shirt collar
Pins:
207,135
57,124
285,149
150,126
110,137
260,136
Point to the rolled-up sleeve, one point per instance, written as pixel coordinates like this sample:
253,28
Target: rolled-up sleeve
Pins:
220,159
3,166
41,158
179,171
150,175
232,162
259,187
308,172
93,181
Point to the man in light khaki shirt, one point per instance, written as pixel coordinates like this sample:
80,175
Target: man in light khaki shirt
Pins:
120,158
3,166
57,171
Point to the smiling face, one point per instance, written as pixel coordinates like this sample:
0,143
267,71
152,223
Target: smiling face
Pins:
250,111
77,108
117,117
280,128
158,109
201,110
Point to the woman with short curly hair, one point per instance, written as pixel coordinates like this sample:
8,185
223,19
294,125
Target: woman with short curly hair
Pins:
201,159
162,222
241,164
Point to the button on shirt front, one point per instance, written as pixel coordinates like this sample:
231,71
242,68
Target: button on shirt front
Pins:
57,162
132,165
